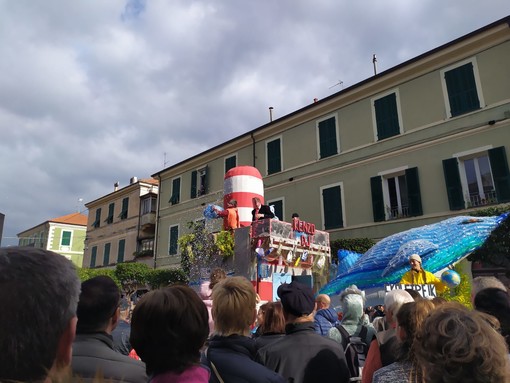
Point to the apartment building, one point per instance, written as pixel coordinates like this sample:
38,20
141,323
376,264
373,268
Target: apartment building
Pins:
418,143
121,225
63,235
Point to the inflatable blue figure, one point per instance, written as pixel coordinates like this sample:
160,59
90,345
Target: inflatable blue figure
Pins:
439,245
210,213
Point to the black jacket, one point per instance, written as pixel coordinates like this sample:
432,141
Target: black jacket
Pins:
94,353
233,358
264,209
305,356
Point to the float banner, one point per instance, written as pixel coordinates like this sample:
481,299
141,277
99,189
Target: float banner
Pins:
426,290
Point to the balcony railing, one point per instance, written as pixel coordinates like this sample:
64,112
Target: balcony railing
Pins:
396,212
476,199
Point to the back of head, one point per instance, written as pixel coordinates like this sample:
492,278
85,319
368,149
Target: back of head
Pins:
323,301
217,275
168,328
297,300
458,345
99,300
39,292
353,303
495,302
274,321
481,283
233,310
394,299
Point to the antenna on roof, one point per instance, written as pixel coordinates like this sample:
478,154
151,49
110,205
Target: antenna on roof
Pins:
164,160
374,62
340,82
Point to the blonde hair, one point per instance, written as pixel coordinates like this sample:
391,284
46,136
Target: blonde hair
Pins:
233,310
458,345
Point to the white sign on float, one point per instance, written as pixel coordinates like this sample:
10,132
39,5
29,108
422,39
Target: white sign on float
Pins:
426,290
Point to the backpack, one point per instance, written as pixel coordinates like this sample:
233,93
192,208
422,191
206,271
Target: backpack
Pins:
355,349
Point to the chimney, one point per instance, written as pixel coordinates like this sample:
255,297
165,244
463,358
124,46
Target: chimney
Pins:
133,180
116,186
271,114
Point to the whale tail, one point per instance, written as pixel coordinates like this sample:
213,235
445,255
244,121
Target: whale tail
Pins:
346,259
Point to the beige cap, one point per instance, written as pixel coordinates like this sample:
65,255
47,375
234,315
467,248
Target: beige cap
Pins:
416,257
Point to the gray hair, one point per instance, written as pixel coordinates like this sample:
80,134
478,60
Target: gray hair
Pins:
394,299
481,283
39,293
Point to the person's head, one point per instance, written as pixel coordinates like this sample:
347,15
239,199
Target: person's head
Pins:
480,283
261,312
233,309
393,300
217,275
495,302
323,301
124,309
274,321
295,215
415,294
456,344
168,328
353,303
410,318
39,293
415,262
438,301
257,203
297,301
232,203
98,308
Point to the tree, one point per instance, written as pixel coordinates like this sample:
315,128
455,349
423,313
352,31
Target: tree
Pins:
164,277
132,276
85,274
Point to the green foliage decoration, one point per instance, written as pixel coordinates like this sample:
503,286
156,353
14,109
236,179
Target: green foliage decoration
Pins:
461,293
359,245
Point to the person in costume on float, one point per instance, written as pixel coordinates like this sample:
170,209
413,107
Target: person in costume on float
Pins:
260,211
230,216
418,276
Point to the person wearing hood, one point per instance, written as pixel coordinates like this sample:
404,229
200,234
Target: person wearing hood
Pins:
418,276
325,317
354,317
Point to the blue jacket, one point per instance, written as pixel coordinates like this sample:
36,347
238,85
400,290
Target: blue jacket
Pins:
233,357
324,320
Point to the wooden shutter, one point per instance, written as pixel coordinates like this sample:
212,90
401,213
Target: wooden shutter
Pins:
386,116
93,255
461,87
500,173
172,248
332,205
327,138
193,193
413,192
274,159
120,253
377,199
453,184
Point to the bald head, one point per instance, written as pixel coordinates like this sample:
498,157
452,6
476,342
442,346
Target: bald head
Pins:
323,301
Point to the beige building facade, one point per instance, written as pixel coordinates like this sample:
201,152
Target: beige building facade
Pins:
121,225
416,144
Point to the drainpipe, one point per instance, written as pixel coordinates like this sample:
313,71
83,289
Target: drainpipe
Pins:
253,148
157,221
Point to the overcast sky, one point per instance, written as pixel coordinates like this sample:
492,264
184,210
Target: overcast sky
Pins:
97,91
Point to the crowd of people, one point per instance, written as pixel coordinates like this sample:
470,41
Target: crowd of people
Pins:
54,328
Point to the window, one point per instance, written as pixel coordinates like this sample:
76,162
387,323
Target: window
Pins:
327,138
278,208
120,253
477,178
230,162
93,255
332,207
149,205
274,156
396,194
147,245
462,94
176,191
124,212
66,238
198,182
97,222
386,116
111,208
172,241
106,257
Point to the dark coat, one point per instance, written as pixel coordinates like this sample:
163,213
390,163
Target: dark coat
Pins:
264,209
324,320
94,352
305,356
233,358
265,339
120,336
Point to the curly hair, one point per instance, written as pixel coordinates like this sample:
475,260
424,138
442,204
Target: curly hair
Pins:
217,275
458,345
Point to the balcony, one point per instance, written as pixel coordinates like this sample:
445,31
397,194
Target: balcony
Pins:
489,198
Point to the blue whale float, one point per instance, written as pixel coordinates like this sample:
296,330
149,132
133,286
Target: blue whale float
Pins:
439,245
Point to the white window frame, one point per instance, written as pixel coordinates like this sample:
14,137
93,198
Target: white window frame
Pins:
385,175
272,200
225,160
342,201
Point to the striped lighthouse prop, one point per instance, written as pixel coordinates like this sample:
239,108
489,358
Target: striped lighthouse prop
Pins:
243,183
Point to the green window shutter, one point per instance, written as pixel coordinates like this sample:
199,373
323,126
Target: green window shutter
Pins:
111,208
176,191
106,258
66,238
230,163
193,193
274,158
461,88
500,173
97,222
332,205
413,192
377,199
174,233
278,208
93,255
125,204
453,184
120,254
386,116
327,138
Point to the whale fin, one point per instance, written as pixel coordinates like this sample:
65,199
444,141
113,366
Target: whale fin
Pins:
346,259
422,247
